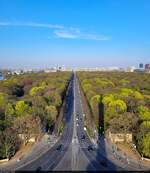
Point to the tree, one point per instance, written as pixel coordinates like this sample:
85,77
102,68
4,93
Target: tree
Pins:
34,91
126,122
51,114
17,89
22,108
10,111
119,105
141,135
53,98
108,99
9,142
86,87
90,94
143,113
38,101
146,145
25,125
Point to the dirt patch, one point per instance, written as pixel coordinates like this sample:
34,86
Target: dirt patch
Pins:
23,151
129,150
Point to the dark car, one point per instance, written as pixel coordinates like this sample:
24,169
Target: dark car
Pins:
59,147
103,164
83,137
90,148
38,169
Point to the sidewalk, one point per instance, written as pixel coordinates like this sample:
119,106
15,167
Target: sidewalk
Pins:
124,158
37,149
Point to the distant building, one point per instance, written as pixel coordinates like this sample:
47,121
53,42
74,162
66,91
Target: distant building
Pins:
129,69
147,67
140,70
141,65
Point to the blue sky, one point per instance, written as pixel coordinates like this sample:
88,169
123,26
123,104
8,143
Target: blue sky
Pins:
82,33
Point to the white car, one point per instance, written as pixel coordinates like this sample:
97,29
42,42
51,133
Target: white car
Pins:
77,124
77,119
18,160
85,128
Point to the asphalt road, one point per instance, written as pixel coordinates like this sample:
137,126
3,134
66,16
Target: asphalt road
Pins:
74,154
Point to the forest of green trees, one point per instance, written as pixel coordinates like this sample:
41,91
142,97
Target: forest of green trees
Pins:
28,103
125,100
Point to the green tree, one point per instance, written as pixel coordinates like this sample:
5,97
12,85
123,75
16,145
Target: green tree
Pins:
53,98
141,135
51,114
146,145
22,108
10,111
143,113
119,105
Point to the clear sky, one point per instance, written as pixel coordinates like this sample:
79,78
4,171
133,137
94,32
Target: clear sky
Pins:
82,33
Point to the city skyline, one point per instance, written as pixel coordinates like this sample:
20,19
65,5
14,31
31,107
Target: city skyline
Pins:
75,34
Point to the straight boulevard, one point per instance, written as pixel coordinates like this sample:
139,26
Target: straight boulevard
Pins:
75,153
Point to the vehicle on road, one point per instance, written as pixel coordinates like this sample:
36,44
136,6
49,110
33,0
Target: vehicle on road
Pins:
77,124
84,128
103,164
38,169
48,139
59,147
83,137
90,148
18,160
12,155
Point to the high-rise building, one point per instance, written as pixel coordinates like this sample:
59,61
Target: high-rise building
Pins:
141,65
147,67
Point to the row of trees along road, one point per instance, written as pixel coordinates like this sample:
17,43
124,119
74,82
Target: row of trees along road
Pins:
28,103
124,99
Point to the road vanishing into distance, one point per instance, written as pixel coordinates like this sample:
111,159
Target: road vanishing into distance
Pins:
74,150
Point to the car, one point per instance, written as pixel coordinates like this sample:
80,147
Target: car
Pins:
85,128
103,164
90,148
59,147
18,160
48,139
77,119
38,169
83,137
12,155
77,124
